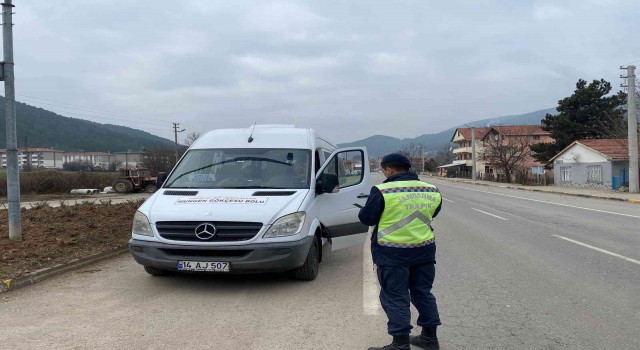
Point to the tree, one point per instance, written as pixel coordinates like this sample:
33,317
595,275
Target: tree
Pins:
508,148
159,159
431,165
445,155
587,114
414,151
191,138
114,166
78,165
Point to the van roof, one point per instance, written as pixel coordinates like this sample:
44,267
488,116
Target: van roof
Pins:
263,136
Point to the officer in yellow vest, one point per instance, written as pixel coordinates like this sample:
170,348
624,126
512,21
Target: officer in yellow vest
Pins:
404,250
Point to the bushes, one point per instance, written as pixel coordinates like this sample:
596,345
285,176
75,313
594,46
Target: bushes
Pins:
52,181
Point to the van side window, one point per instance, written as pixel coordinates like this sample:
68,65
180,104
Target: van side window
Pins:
350,168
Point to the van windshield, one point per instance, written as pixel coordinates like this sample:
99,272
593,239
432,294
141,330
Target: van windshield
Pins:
242,168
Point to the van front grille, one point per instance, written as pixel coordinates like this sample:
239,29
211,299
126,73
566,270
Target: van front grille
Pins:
209,253
226,231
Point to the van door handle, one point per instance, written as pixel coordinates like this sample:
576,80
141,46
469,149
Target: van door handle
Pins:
362,195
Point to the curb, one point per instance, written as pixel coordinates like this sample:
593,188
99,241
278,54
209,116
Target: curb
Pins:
631,200
38,276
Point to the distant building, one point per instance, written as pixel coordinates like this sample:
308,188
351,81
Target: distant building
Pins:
104,160
48,158
130,159
99,160
594,163
462,165
516,136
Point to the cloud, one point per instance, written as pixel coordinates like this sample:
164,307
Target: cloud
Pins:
549,12
286,19
279,65
349,68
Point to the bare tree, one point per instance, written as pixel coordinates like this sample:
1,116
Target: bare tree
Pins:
445,155
159,159
615,127
191,138
508,148
414,151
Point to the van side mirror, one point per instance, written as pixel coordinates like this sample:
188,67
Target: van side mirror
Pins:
162,176
327,183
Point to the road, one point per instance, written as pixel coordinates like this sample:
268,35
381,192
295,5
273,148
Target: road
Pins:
516,270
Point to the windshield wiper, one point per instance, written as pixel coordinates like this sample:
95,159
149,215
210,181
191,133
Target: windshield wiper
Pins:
237,159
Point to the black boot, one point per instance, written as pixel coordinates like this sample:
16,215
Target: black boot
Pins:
427,340
399,343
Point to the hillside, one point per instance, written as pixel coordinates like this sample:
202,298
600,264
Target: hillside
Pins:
380,145
38,127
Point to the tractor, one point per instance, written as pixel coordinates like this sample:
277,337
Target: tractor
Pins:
134,180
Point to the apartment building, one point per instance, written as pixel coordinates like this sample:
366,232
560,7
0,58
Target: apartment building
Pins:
37,158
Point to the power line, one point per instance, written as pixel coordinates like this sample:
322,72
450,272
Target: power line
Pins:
87,109
90,117
98,112
632,62
88,112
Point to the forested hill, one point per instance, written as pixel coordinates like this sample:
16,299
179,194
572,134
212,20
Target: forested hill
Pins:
38,127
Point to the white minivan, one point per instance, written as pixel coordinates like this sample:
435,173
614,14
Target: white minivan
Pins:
269,198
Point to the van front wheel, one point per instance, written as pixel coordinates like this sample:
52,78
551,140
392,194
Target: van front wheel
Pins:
154,271
309,271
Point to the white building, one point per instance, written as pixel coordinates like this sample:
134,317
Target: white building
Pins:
97,159
37,158
104,160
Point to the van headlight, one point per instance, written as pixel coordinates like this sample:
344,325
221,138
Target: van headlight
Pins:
141,225
287,225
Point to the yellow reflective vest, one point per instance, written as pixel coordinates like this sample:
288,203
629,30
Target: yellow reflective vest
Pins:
408,210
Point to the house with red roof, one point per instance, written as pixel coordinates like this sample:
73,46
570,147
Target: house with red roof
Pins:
511,145
463,157
595,163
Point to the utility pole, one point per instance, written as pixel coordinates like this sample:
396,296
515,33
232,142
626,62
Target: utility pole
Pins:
13,175
176,126
632,126
473,152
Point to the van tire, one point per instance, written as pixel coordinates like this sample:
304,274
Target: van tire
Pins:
154,271
309,271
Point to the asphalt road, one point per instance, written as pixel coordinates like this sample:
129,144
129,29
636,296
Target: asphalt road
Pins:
516,270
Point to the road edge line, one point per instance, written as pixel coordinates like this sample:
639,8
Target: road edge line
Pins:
39,276
629,200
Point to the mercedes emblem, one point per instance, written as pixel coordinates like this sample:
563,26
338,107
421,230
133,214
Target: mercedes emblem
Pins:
205,231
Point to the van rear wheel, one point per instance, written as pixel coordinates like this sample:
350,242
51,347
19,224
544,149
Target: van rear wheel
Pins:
309,271
154,271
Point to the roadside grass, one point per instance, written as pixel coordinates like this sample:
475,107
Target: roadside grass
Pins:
57,181
53,236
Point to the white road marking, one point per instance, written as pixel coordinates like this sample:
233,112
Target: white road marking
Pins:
448,200
547,202
370,288
599,249
495,216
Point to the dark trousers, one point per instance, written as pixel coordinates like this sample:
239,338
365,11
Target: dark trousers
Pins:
400,285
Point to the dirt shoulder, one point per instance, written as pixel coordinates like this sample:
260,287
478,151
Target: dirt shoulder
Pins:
53,236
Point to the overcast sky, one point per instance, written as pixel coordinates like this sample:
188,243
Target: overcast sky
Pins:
351,69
